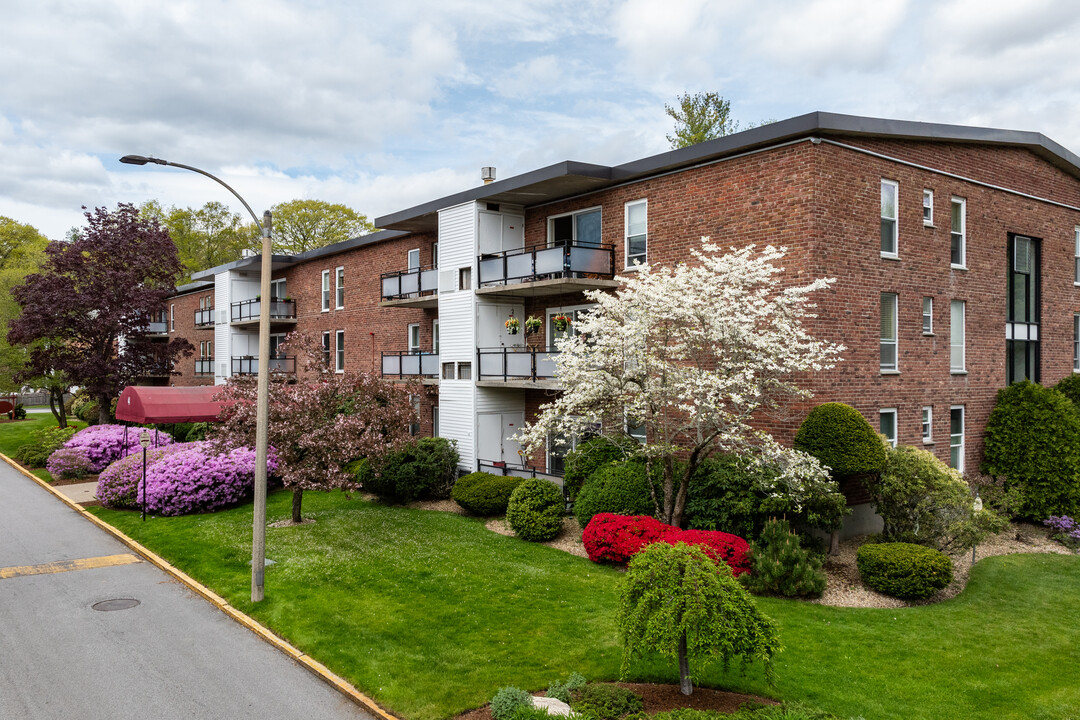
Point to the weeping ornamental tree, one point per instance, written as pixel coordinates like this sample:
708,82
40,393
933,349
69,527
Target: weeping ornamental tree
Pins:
318,424
694,353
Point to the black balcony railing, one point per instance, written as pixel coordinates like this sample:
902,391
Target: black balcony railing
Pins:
204,367
410,364
205,317
547,263
249,365
515,363
416,282
246,310
519,469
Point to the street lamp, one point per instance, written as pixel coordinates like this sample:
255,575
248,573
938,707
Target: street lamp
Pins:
258,534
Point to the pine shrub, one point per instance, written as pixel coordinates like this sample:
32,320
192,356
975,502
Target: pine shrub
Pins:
842,440
904,570
535,510
507,700
1033,441
618,488
484,494
781,566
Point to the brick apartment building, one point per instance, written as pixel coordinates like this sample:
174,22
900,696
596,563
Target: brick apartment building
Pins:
956,252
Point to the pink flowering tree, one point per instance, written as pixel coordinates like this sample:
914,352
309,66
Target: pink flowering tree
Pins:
698,354
320,423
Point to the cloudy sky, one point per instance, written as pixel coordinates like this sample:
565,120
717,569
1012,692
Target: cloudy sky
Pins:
382,105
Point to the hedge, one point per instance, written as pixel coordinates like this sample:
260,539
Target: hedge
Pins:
904,570
482,493
841,438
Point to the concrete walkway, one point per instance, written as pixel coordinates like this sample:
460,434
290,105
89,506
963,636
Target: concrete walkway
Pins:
171,655
79,492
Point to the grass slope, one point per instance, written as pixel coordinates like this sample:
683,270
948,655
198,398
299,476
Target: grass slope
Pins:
17,433
430,613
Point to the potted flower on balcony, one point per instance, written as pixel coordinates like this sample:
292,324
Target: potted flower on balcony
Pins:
533,325
561,322
512,324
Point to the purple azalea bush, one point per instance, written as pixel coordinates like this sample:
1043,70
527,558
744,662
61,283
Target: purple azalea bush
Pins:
118,484
1065,530
105,444
66,463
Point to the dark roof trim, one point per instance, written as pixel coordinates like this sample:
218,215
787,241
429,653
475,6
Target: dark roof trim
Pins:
191,287
351,244
277,261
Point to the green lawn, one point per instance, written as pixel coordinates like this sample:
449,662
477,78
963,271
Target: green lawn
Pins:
429,613
19,432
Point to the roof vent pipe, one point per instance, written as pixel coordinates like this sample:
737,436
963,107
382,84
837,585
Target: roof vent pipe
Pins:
487,174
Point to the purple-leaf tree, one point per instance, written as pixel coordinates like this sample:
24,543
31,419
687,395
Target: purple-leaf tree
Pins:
319,423
86,313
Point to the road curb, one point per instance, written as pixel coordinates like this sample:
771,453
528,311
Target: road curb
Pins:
311,664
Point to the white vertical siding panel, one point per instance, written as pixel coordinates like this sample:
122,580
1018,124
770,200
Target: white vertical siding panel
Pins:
457,419
499,400
222,346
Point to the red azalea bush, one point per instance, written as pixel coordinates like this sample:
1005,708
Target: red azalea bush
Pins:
617,538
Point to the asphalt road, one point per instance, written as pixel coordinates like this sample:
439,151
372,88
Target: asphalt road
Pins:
174,655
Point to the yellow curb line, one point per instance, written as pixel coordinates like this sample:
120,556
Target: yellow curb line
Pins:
309,663
60,566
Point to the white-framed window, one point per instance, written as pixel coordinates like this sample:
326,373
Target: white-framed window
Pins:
1076,259
339,363
928,316
889,352
572,312
958,236
887,424
927,424
637,232
326,291
172,318
277,289
448,371
928,208
957,311
326,348
1076,343
414,259
465,278
435,336
581,227
889,229
339,287
434,421
956,437
464,371
414,338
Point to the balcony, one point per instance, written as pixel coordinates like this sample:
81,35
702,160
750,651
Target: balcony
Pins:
408,365
204,317
511,469
204,367
417,287
544,270
246,312
520,367
249,365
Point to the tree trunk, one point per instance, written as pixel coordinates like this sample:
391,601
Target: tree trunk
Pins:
834,542
297,498
680,498
56,405
669,486
685,686
103,409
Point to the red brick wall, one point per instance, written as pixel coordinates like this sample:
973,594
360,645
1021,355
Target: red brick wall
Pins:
185,307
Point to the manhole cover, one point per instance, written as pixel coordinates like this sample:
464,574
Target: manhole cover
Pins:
117,604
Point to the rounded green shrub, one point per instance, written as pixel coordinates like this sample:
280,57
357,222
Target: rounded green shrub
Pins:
19,413
591,455
841,438
620,489
1069,386
607,702
507,700
426,467
904,570
482,493
535,510
1033,441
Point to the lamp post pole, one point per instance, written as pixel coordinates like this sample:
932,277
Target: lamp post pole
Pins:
262,421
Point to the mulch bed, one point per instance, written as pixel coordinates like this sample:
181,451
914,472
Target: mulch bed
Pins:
661,698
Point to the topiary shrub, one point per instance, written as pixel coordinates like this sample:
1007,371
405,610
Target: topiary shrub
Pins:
484,494
842,440
426,467
68,463
779,565
617,538
1033,441
507,700
607,702
618,488
591,455
106,444
535,511
904,570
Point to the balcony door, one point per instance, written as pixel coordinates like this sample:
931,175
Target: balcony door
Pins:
491,331
500,233
493,441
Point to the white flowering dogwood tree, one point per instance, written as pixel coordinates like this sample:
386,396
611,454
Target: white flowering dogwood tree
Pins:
696,354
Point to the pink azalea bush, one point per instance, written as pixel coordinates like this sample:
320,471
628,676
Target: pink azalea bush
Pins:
105,444
118,484
66,463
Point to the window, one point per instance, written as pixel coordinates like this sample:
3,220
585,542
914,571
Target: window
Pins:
927,424
414,259
956,437
958,244
888,218
1076,260
1076,343
435,421
339,365
326,291
435,257
636,429
277,289
888,333
578,228
414,339
956,336
928,316
339,287
637,236
172,318
928,208
465,278
414,428
1022,316
448,371
435,336
887,420
464,371
326,348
